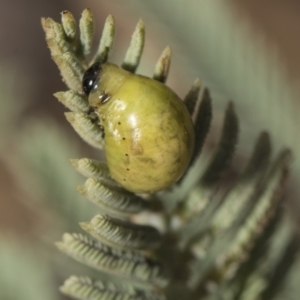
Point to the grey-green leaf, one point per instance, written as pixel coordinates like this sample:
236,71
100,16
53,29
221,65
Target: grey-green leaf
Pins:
127,264
91,168
123,234
87,128
87,289
111,199
135,50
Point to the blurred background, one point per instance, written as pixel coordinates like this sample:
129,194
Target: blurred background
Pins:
245,51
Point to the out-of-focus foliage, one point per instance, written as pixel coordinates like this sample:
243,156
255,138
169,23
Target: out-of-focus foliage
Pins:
49,181
26,273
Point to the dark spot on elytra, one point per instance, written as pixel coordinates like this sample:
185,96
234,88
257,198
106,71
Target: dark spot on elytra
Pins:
119,123
124,179
124,139
127,169
126,154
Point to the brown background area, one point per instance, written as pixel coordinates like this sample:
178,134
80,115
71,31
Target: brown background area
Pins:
279,22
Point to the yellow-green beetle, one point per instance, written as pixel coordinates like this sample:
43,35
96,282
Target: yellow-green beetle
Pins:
149,135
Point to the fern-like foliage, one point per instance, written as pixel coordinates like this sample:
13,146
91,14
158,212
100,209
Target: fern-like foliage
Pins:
207,240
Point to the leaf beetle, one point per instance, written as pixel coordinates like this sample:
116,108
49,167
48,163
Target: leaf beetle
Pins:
149,134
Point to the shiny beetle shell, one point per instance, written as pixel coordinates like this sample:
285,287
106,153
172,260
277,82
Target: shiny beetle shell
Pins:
149,135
